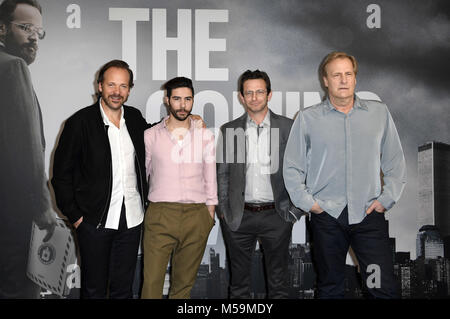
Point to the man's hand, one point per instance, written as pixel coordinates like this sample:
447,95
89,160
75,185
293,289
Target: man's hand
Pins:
78,222
376,205
316,209
198,121
47,221
211,209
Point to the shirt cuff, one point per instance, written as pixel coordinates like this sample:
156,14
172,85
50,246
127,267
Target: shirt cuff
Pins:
211,202
386,201
307,204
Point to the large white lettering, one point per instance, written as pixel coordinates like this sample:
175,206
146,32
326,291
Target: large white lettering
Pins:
204,45
129,18
181,43
155,107
161,44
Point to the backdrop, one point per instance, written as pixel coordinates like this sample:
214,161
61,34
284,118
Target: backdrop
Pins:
402,48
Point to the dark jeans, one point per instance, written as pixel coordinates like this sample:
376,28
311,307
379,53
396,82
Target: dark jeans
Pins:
370,243
108,260
274,235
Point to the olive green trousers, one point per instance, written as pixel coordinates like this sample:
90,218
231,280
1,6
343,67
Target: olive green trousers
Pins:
179,231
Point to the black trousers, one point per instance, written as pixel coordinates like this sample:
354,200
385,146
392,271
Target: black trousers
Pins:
274,235
108,260
370,243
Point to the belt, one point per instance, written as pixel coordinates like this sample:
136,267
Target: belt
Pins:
258,207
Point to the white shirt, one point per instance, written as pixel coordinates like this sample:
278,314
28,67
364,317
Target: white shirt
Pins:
258,187
124,183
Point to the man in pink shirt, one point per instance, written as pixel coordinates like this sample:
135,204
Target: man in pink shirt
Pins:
181,168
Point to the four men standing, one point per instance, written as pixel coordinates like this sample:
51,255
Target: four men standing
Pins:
330,163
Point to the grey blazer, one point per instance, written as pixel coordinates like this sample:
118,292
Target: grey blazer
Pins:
231,166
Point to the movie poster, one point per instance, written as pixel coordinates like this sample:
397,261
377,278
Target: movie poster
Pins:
402,49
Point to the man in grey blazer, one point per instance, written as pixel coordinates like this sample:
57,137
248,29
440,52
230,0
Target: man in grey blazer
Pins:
23,182
253,202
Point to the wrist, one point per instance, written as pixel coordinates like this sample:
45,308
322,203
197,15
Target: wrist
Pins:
316,208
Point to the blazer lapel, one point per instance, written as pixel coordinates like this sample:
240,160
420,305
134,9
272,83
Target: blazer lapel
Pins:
243,124
274,146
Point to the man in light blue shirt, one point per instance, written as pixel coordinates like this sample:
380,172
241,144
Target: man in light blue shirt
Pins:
334,157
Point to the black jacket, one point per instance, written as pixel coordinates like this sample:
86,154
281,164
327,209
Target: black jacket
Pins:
82,169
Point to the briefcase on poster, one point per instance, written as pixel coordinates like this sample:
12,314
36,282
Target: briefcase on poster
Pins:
48,262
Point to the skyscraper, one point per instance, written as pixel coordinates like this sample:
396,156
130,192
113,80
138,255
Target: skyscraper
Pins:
429,243
214,281
434,186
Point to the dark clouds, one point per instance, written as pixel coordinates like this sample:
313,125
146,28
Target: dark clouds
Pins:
414,37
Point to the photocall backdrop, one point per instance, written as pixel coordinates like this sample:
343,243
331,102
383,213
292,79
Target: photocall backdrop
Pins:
402,48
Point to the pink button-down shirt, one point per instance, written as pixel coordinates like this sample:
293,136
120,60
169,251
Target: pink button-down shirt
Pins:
181,172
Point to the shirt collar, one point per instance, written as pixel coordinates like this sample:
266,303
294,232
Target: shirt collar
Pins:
106,120
357,104
264,123
360,104
2,44
164,124
328,107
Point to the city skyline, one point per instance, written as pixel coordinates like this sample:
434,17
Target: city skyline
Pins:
425,276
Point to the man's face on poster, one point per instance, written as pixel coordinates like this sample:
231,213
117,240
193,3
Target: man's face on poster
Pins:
19,41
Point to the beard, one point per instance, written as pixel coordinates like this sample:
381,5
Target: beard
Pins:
176,113
26,51
114,102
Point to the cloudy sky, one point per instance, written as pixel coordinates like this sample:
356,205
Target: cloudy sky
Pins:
405,62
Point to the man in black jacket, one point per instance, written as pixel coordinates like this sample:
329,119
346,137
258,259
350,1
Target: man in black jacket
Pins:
99,183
